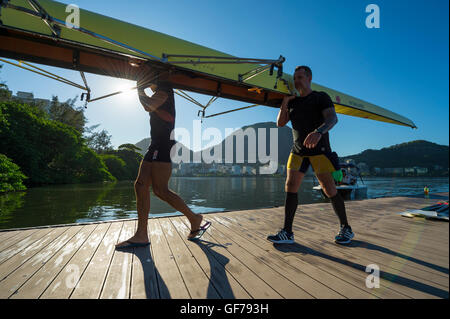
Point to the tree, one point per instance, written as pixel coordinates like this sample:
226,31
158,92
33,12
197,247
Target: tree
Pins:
48,152
11,178
116,166
5,94
100,142
67,113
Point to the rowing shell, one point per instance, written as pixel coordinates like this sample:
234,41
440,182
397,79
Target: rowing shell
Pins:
36,31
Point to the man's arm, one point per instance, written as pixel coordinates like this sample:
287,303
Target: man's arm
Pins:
330,120
283,115
151,104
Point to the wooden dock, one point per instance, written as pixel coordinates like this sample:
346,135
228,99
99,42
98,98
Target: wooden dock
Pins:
234,259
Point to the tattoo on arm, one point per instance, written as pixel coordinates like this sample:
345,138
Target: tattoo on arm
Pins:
331,119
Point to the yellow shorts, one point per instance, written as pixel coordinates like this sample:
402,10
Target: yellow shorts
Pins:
323,163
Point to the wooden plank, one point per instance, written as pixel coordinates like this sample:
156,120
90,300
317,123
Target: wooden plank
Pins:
63,285
390,225
26,253
144,280
403,247
20,243
41,279
384,221
220,279
91,282
117,283
194,277
15,280
289,281
9,238
252,283
304,217
281,284
319,250
315,266
170,281
393,260
410,244
292,267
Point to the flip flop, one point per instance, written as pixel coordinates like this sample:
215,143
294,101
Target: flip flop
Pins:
200,231
132,245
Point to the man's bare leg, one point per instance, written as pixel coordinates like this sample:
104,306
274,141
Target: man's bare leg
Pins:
142,191
160,182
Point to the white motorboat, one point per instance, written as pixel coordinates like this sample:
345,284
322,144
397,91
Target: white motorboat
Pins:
349,188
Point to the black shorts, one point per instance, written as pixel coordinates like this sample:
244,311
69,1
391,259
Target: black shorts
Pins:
159,152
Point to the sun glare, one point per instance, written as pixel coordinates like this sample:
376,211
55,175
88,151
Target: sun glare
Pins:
128,93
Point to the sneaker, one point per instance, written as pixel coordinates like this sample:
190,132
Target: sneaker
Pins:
281,238
345,235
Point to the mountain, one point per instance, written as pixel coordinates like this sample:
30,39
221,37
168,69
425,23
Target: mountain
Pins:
284,140
416,153
284,143
143,145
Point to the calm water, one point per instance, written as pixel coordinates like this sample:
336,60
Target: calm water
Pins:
107,201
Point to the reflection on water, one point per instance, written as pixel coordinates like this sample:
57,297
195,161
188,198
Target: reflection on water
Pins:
108,201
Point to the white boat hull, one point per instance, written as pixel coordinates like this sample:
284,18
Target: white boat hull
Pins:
347,191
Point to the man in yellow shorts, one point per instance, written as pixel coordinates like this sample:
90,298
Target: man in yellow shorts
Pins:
312,115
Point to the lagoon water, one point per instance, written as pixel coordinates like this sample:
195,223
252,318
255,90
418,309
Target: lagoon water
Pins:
55,205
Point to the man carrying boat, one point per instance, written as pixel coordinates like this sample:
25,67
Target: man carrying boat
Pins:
312,116
156,168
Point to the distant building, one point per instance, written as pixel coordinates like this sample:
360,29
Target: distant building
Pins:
350,161
185,168
421,170
27,97
363,167
236,170
409,171
393,171
24,95
223,169
377,170
213,170
281,169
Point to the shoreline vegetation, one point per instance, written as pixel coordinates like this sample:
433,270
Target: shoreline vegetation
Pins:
50,144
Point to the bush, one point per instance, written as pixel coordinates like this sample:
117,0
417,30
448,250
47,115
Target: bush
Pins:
116,166
11,177
48,152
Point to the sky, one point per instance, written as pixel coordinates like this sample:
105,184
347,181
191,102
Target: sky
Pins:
402,66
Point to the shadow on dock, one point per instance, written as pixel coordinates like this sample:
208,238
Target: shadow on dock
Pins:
155,288
413,284
363,244
219,280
